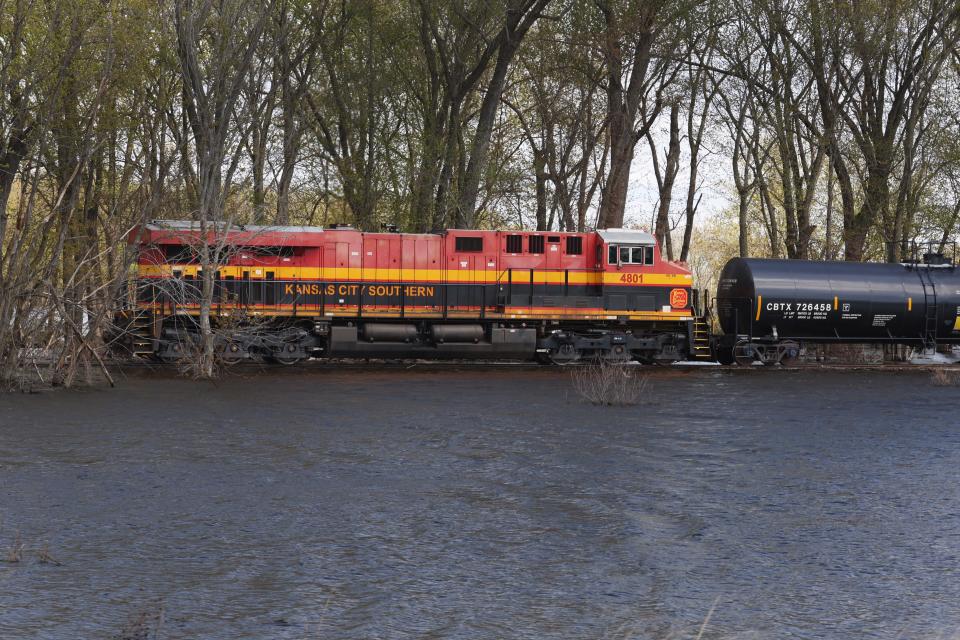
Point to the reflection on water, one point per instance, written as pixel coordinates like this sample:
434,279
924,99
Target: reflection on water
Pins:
484,504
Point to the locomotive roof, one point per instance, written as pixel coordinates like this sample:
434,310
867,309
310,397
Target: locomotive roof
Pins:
616,236
192,225
626,236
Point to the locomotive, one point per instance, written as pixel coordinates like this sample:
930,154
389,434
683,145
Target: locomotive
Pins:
288,293
769,308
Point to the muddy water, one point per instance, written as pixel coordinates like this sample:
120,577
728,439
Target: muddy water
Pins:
484,504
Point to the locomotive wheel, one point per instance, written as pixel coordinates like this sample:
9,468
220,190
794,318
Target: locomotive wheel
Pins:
566,354
289,356
232,353
617,354
176,353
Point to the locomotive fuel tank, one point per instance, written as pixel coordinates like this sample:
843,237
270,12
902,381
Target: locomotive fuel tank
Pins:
839,301
388,332
457,332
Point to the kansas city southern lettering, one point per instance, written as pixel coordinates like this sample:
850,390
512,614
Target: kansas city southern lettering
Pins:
353,289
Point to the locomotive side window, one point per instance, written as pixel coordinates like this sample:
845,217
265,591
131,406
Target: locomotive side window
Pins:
630,255
514,244
574,245
282,252
180,253
469,244
536,244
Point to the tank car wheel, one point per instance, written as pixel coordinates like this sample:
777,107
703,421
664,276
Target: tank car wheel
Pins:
744,354
725,355
789,353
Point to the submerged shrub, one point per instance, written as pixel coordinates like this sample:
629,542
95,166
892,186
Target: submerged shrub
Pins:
945,377
610,384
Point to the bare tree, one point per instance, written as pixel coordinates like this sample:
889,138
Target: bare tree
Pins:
702,91
666,180
874,71
519,16
296,54
637,77
216,43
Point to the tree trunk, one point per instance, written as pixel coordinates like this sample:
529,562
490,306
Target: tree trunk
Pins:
613,200
539,164
9,167
693,202
770,215
845,184
828,234
444,181
672,167
875,203
291,149
480,149
259,192
744,197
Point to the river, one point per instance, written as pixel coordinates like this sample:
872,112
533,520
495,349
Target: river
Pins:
475,503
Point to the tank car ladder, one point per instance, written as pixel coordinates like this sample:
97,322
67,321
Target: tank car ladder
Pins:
929,309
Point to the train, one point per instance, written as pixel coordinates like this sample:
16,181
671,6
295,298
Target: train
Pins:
285,294
288,293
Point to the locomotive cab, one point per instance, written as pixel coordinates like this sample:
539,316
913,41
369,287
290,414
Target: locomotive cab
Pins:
632,267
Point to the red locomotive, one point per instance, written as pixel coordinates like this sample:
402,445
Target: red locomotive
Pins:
289,293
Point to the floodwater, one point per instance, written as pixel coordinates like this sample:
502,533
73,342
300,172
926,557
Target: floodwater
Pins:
483,504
